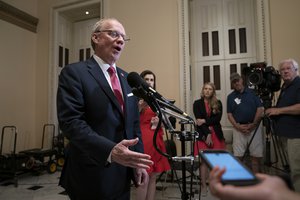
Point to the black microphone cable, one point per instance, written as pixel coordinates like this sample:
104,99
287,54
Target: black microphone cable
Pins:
159,114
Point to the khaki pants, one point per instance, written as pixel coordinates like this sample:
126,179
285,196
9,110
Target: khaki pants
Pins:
293,149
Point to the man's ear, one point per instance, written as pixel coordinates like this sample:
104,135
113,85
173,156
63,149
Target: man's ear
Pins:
94,37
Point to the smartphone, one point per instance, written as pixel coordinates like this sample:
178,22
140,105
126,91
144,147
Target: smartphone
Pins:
236,172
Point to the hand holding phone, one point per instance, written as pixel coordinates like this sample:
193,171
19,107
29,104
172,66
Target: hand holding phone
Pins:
236,173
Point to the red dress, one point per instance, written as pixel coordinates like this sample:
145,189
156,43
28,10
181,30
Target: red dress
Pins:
161,163
217,144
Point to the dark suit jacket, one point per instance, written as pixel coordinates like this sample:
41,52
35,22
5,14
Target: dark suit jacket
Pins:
91,118
213,120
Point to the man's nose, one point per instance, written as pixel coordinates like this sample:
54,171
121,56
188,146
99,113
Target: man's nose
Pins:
120,40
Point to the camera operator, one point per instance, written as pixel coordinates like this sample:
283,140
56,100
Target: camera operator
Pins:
286,116
244,111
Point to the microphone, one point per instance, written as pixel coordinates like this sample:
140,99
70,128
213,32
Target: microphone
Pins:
136,81
143,90
138,89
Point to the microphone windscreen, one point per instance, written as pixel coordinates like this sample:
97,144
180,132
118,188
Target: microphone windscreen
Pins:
137,93
134,79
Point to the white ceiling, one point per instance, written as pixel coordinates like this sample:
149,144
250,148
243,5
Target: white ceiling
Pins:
78,14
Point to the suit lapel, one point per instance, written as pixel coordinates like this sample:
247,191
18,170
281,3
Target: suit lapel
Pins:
97,73
126,90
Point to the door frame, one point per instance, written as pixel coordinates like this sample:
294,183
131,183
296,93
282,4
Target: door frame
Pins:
54,70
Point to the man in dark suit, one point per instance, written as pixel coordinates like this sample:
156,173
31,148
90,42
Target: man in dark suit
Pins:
105,151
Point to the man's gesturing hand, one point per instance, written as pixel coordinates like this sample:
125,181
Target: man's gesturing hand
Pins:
122,155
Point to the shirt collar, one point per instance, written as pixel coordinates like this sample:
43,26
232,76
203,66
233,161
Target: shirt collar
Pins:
104,66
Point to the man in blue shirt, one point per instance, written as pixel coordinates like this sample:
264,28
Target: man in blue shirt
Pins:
244,111
286,116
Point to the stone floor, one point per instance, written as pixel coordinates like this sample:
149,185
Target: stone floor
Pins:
45,187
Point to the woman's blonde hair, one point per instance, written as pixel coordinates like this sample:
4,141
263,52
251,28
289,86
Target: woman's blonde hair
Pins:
212,101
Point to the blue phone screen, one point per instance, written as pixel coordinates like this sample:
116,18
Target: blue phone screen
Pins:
234,170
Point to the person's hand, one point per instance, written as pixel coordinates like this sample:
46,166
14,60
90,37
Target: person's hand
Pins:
142,105
122,155
272,112
209,141
243,128
199,122
252,127
269,188
154,122
141,177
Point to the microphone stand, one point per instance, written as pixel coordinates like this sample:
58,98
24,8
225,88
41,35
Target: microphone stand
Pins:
184,194
162,108
162,115
183,134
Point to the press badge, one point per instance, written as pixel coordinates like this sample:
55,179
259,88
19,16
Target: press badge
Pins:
237,101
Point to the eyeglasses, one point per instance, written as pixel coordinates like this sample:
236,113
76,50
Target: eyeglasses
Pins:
115,34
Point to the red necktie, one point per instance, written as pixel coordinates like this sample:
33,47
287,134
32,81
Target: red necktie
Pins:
116,86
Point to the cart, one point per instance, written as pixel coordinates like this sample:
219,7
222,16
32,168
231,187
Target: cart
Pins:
59,146
11,164
43,159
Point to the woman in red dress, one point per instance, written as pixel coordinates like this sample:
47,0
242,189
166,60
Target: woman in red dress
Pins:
208,113
148,124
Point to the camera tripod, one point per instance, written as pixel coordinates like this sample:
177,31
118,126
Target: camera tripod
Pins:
278,148
280,153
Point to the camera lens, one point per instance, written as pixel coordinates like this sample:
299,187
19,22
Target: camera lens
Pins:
255,78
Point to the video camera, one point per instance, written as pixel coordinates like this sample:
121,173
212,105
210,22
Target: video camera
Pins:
265,80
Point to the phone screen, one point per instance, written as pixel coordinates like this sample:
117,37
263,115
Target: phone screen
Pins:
235,170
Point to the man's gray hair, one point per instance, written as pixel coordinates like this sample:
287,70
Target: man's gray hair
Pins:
98,27
291,61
